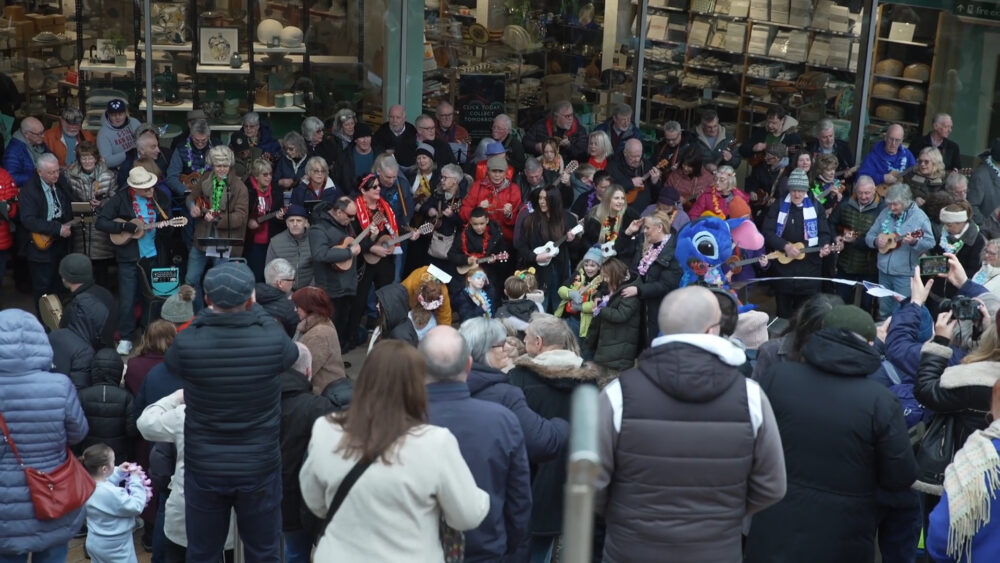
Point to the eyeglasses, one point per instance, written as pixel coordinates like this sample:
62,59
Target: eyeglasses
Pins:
34,132
570,114
452,114
893,140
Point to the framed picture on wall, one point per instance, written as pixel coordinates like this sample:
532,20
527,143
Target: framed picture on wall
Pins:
218,44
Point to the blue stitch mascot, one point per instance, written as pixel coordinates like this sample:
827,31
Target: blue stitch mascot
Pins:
705,245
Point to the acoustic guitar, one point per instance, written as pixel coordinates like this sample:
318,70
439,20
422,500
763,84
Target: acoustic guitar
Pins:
43,241
350,242
893,240
388,241
632,195
783,258
124,237
499,257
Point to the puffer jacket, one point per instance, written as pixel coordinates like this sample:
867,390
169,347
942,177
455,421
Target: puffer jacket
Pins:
395,302
962,391
233,211
548,380
615,332
903,345
86,238
319,335
298,254
110,303
544,438
831,512
230,364
299,410
324,235
278,305
108,406
43,415
18,160
73,347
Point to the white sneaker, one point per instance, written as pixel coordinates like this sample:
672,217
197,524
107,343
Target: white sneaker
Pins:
124,347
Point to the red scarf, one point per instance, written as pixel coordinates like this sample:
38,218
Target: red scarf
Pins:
465,243
364,214
261,234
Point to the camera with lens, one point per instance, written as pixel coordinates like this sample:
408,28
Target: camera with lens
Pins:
962,308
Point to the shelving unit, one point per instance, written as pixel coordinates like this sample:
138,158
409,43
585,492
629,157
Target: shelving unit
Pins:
723,55
892,41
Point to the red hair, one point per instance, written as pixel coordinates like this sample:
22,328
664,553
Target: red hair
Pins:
313,301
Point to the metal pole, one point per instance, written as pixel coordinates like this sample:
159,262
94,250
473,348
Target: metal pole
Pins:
581,474
148,44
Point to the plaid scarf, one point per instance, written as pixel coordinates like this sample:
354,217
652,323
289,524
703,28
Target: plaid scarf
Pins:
971,481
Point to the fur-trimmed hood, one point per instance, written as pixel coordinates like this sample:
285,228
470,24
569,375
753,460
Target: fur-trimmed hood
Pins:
976,374
559,367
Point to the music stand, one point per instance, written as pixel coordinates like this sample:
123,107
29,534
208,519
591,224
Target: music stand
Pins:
87,214
221,245
310,204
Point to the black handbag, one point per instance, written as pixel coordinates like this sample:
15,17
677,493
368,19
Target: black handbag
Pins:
936,449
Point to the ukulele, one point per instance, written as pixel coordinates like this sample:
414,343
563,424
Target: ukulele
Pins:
350,242
268,216
125,237
387,241
191,180
631,195
552,247
499,257
893,240
783,258
608,250
43,241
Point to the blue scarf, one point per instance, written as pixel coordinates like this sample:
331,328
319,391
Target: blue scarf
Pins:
808,218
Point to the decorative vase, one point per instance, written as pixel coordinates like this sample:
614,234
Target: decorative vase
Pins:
236,61
121,60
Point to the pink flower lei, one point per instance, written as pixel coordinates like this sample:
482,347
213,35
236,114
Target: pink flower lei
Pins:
136,469
650,256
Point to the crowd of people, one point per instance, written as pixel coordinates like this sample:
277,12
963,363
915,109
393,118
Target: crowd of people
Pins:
207,295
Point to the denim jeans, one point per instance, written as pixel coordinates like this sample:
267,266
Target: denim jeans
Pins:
198,264
900,284
298,546
257,502
129,293
54,554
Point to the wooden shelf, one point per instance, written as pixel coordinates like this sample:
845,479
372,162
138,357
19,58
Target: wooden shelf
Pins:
900,78
900,42
896,100
87,66
259,47
223,69
274,109
186,105
182,47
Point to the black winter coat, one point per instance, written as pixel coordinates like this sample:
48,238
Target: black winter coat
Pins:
465,308
299,410
278,305
622,175
662,277
109,407
544,438
962,390
811,265
395,302
339,393
615,332
33,212
230,364
625,246
457,256
547,389
324,234
73,347
105,298
844,438
120,207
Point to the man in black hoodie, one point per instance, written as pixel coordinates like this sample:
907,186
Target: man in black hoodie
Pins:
77,275
332,225
274,294
299,410
231,358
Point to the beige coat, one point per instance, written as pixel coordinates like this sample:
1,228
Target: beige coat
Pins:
320,336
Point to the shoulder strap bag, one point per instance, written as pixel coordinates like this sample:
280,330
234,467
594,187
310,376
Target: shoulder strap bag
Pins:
58,492
345,487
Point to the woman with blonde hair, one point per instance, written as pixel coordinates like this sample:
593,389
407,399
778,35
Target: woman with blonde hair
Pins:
599,150
656,272
606,224
716,200
928,176
414,476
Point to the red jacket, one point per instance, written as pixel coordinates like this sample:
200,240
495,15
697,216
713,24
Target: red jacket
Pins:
484,190
8,193
481,171
57,145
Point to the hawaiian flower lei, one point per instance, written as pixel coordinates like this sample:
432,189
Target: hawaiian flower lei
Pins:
189,159
609,228
430,305
136,469
716,203
150,215
218,188
946,246
886,229
480,298
650,256
465,243
600,304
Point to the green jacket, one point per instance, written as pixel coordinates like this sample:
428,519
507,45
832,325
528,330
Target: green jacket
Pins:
615,332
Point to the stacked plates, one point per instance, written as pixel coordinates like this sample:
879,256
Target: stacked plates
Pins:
517,38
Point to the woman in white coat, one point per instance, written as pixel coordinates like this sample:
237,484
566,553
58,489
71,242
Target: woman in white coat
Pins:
416,479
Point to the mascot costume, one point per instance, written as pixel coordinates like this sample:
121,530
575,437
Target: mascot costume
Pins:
706,245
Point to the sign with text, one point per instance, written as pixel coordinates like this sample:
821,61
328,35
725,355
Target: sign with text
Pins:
481,97
978,9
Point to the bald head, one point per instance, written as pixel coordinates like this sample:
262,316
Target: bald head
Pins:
446,355
894,128
689,310
32,130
